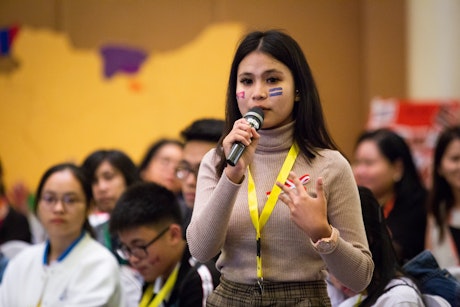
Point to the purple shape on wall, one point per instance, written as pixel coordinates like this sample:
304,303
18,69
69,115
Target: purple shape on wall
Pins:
122,59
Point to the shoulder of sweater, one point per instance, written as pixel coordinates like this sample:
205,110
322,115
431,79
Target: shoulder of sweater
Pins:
330,154
211,155
330,157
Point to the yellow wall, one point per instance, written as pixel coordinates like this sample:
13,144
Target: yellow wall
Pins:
57,105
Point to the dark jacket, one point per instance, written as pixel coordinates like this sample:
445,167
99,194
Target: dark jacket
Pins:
194,280
407,224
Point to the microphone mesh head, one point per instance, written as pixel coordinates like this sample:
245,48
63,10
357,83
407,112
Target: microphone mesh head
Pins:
255,117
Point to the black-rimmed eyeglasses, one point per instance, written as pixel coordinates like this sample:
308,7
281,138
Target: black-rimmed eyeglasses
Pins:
139,252
185,169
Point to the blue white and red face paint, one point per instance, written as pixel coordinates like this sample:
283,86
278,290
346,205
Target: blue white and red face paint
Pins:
276,91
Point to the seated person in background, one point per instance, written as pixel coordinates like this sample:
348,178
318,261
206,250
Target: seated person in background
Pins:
22,199
70,268
201,136
443,232
160,162
159,166
13,225
110,173
389,286
383,163
148,222
15,232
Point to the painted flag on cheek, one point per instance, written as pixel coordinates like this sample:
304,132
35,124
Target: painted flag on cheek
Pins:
276,91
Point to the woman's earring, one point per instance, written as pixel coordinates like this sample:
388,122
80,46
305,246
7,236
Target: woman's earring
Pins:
297,95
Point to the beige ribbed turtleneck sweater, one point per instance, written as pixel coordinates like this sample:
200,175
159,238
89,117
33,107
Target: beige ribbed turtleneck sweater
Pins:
221,220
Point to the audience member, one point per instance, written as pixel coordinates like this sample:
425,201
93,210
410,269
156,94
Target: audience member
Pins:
148,221
390,285
22,200
384,164
13,225
280,256
201,136
443,231
70,268
160,162
15,231
110,173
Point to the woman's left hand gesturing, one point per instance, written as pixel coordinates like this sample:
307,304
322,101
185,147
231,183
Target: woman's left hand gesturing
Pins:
308,212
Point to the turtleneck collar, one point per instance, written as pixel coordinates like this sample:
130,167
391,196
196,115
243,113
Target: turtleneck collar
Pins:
277,139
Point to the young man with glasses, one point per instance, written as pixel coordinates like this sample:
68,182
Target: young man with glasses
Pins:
148,222
200,136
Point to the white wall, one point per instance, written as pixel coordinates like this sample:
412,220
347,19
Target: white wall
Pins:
433,49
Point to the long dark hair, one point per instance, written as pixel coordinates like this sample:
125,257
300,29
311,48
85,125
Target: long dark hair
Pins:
386,266
310,132
441,199
81,178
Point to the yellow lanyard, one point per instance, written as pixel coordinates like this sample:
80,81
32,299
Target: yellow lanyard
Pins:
358,302
259,223
166,289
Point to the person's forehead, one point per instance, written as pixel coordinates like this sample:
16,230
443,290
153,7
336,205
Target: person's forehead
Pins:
169,149
195,150
137,234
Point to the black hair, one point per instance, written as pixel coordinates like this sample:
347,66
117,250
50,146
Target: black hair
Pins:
207,129
441,199
310,132
153,150
117,159
81,178
386,265
394,148
145,204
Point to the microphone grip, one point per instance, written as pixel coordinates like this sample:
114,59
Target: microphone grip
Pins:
235,153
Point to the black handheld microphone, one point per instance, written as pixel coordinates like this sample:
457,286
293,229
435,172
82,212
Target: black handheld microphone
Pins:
255,117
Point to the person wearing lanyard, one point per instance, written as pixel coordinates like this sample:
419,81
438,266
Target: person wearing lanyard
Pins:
276,233
70,268
148,221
